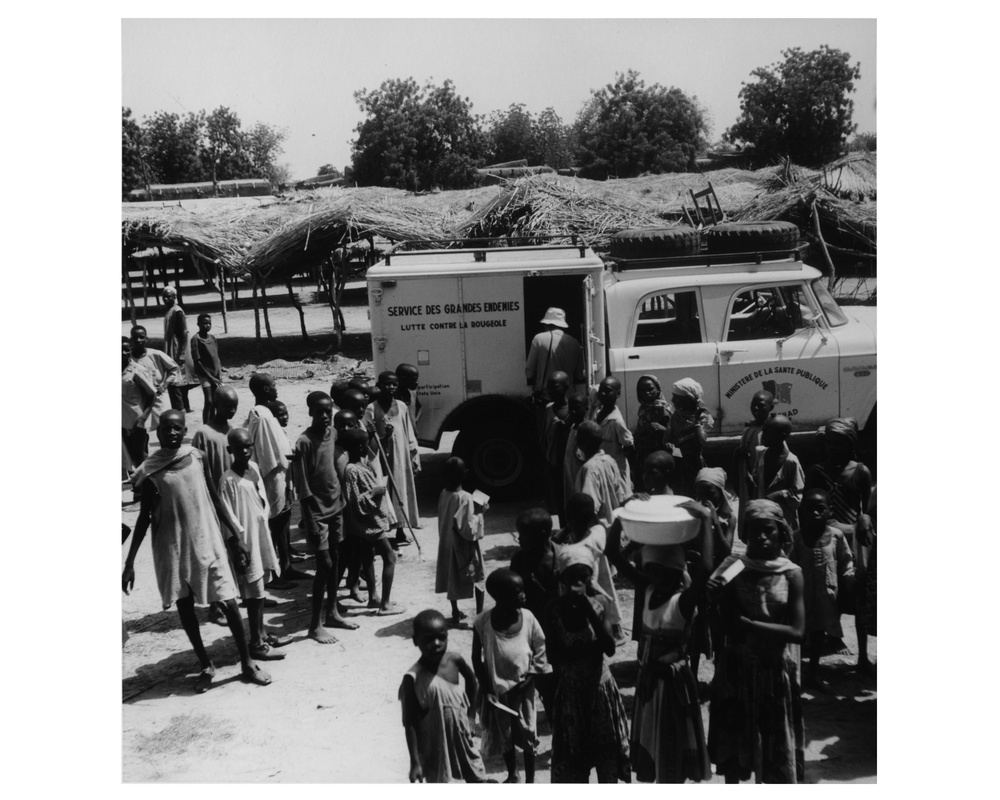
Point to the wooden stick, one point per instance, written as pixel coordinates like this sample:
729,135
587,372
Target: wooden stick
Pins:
298,307
256,316
222,297
267,319
832,270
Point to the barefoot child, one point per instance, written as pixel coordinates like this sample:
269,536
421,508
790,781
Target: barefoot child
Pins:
617,439
161,368
438,695
848,484
599,475
668,739
761,408
460,528
205,364
688,432
138,395
589,722
651,424
755,720
242,492
777,474
189,546
212,438
367,518
399,443
270,452
322,505
508,646
822,552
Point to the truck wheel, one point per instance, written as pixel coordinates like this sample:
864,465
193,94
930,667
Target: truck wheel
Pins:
747,237
499,459
673,240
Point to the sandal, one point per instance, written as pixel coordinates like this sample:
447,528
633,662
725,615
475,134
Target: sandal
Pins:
264,652
204,682
255,675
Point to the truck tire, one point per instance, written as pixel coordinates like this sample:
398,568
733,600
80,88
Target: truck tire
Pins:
673,240
500,458
748,237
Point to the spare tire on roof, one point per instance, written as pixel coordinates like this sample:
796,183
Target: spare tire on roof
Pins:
748,237
673,240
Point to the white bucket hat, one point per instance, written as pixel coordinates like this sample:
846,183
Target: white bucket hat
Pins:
555,316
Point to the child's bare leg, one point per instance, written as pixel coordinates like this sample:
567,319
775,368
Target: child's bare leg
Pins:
206,411
480,600
368,567
323,568
250,672
510,759
529,764
255,616
385,550
456,615
334,619
864,663
189,621
275,525
814,651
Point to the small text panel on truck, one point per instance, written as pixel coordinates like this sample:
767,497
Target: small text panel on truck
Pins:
737,323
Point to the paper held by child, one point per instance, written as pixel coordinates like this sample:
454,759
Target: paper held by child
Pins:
480,498
731,572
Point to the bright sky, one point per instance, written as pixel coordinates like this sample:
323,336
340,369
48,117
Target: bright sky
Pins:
301,74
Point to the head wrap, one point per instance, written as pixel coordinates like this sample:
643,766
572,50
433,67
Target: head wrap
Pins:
716,476
570,555
652,379
689,387
843,426
768,509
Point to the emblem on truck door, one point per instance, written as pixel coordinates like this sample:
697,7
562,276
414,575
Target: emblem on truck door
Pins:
782,392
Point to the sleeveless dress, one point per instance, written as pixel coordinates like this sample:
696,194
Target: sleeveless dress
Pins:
447,750
589,721
668,737
755,720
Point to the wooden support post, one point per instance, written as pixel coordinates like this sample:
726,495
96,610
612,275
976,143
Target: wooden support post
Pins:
298,307
128,287
267,319
256,317
222,297
831,269
177,280
145,289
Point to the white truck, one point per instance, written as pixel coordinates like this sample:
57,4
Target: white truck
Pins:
735,322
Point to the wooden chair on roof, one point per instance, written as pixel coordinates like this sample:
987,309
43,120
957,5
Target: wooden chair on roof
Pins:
709,214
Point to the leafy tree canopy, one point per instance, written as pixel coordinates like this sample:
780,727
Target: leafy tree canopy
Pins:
514,134
800,108
416,137
328,169
628,128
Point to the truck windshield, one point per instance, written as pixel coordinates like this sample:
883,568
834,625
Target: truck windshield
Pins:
834,316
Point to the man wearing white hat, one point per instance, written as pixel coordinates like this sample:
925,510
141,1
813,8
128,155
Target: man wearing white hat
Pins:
553,350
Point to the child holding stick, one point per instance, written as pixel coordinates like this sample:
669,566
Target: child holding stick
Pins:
460,528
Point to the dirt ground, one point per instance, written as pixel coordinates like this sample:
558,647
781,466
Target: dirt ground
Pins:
331,713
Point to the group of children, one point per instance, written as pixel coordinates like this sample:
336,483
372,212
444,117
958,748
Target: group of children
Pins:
556,614
220,510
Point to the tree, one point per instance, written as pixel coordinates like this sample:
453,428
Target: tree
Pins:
173,147
329,169
416,137
262,146
799,108
627,129
133,169
514,134
224,150
863,142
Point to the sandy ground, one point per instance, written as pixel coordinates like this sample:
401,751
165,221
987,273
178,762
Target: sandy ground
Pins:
331,713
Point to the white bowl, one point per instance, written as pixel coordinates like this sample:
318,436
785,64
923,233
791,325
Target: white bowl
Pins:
658,520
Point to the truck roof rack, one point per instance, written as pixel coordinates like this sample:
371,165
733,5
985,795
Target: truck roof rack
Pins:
482,245
703,259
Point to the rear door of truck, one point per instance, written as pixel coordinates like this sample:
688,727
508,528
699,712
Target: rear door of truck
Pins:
410,326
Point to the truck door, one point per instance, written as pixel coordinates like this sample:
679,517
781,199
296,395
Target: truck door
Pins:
420,322
775,339
667,339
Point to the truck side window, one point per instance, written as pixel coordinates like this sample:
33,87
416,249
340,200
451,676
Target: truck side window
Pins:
767,312
668,318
